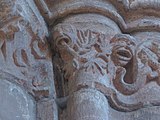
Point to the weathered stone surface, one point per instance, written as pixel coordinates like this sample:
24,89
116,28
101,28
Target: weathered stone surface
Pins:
93,51
81,60
24,49
148,113
89,105
15,103
47,110
25,58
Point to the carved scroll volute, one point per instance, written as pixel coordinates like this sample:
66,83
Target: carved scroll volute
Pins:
64,37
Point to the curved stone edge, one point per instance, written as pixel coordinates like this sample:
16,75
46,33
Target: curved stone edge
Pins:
123,12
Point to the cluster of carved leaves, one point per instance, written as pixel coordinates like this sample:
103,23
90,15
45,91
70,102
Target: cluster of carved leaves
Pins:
134,63
24,57
82,49
24,48
149,59
92,52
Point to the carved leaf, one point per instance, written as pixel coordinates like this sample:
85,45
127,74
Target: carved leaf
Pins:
86,38
20,58
39,50
2,36
3,49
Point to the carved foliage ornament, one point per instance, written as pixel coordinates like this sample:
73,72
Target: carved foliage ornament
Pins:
83,49
135,64
23,45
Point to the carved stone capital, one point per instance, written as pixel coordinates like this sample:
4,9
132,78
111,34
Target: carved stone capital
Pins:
111,46
118,65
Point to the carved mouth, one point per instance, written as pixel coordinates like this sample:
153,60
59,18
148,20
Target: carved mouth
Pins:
124,54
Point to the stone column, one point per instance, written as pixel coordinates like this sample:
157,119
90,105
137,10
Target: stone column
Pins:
82,43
